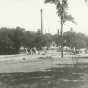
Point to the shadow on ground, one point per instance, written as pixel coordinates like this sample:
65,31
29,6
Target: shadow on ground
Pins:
65,77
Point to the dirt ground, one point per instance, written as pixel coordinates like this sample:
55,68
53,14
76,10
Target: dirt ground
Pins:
44,71
32,63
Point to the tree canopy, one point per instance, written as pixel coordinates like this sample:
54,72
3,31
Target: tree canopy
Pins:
11,39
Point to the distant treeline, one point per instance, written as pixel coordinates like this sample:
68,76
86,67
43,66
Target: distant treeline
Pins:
11,39
72,39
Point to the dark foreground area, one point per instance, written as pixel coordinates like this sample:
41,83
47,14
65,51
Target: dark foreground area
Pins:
69,76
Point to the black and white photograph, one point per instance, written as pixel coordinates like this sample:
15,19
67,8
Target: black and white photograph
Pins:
43,44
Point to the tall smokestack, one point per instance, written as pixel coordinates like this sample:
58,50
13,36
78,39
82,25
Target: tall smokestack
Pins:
41,20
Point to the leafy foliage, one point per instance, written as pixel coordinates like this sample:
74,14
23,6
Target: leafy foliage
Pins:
11,39
75,40
62,9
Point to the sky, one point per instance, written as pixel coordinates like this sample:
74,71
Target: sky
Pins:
26,14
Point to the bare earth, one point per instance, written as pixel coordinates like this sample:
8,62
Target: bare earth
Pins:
32,63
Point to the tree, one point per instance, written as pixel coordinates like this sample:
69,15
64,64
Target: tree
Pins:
16,36
75,40
39,40
28,39
48,38
69,38
61,6
56,39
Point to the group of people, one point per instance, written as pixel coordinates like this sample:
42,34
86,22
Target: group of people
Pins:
31,51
